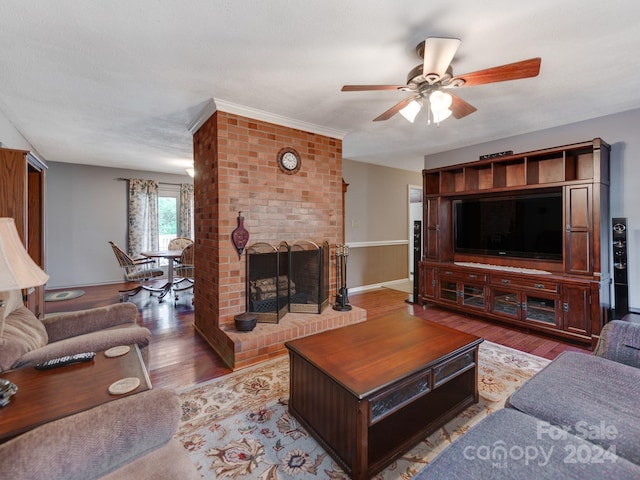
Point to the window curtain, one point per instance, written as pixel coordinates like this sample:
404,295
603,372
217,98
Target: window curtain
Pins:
143,216
186,211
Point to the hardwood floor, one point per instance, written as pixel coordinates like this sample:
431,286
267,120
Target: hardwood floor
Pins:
180,357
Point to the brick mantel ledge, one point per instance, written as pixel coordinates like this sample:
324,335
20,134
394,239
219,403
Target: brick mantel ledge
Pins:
267,340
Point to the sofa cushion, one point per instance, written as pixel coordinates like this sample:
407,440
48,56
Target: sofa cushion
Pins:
588,395
22,333
510,445
169,462
95,442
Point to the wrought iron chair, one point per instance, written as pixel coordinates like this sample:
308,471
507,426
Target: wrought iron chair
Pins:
136,270
184,270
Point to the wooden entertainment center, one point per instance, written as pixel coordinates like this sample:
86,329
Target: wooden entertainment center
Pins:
565,297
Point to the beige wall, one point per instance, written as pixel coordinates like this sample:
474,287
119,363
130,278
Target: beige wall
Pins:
377,222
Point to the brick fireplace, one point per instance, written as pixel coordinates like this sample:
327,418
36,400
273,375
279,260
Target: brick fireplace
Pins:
236,171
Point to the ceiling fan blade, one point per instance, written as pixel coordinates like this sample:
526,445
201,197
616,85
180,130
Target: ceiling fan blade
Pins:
363,88
459,107
438,53
393,110
511,71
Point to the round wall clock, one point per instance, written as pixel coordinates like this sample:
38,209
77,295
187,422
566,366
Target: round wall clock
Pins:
289,160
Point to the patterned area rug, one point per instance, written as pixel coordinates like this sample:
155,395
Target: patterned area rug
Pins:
238,426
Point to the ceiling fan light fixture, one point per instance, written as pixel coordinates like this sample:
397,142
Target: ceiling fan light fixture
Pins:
440,101
411,110
441,115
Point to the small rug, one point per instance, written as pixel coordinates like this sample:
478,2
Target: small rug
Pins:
405,286
238,426
62,295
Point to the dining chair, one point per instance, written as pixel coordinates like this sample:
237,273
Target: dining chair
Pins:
178,243
184,271
136,270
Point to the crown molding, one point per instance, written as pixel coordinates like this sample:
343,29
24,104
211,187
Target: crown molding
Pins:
204,115
214,105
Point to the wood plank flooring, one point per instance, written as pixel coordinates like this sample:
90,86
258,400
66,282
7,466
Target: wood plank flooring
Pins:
180,357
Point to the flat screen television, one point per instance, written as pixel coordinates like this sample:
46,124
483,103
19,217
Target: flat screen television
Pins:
524,226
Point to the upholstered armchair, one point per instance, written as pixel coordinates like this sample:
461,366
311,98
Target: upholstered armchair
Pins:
128,438
620,341
26,340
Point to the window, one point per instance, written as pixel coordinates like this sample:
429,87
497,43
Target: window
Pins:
168,214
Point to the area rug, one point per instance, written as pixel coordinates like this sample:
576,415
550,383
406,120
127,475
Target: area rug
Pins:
62,295
238,426
404,286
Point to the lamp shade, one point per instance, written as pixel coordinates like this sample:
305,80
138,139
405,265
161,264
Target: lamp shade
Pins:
411,110
17,269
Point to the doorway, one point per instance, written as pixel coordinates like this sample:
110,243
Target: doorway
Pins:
415,215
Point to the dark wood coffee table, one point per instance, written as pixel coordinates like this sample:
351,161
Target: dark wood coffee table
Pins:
47,395
369,392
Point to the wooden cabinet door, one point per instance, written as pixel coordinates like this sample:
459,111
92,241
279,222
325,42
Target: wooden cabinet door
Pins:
506,303
428,282
578,226
431,228
22,198
438,229
576,309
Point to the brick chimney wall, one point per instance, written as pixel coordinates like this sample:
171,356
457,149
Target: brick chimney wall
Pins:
237,171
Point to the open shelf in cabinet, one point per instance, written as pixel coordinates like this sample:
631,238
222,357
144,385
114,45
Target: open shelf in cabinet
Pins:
546,169
573,163
452,181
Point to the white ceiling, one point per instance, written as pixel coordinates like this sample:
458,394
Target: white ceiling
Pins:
115,83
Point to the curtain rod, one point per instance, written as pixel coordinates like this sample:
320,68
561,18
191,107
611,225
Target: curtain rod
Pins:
122,179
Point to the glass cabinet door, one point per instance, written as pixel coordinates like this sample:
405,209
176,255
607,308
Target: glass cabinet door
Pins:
506,303
449,291
473,296
541,309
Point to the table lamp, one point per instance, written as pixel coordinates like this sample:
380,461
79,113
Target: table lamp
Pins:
17,269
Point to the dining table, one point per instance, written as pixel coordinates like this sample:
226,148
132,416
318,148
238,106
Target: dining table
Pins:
170,255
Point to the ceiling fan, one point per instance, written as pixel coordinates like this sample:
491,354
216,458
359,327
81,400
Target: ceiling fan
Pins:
431,82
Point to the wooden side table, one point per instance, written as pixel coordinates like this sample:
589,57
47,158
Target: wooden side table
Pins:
47,395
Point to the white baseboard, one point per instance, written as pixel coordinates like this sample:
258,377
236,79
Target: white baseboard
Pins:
366,288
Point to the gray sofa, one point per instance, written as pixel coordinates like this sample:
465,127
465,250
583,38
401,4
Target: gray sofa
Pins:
579,417
26,340
128,438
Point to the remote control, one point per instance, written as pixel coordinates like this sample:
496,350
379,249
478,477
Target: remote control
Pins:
69,359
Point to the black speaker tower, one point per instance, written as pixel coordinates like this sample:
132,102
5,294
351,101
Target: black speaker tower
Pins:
620,282
417,255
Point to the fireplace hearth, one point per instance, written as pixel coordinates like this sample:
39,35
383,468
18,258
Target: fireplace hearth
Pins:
287,278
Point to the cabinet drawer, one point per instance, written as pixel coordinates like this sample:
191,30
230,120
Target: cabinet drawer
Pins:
389,401
445,273
534,284
454,367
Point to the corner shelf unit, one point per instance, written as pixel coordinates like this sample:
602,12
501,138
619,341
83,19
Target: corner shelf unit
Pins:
575,308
